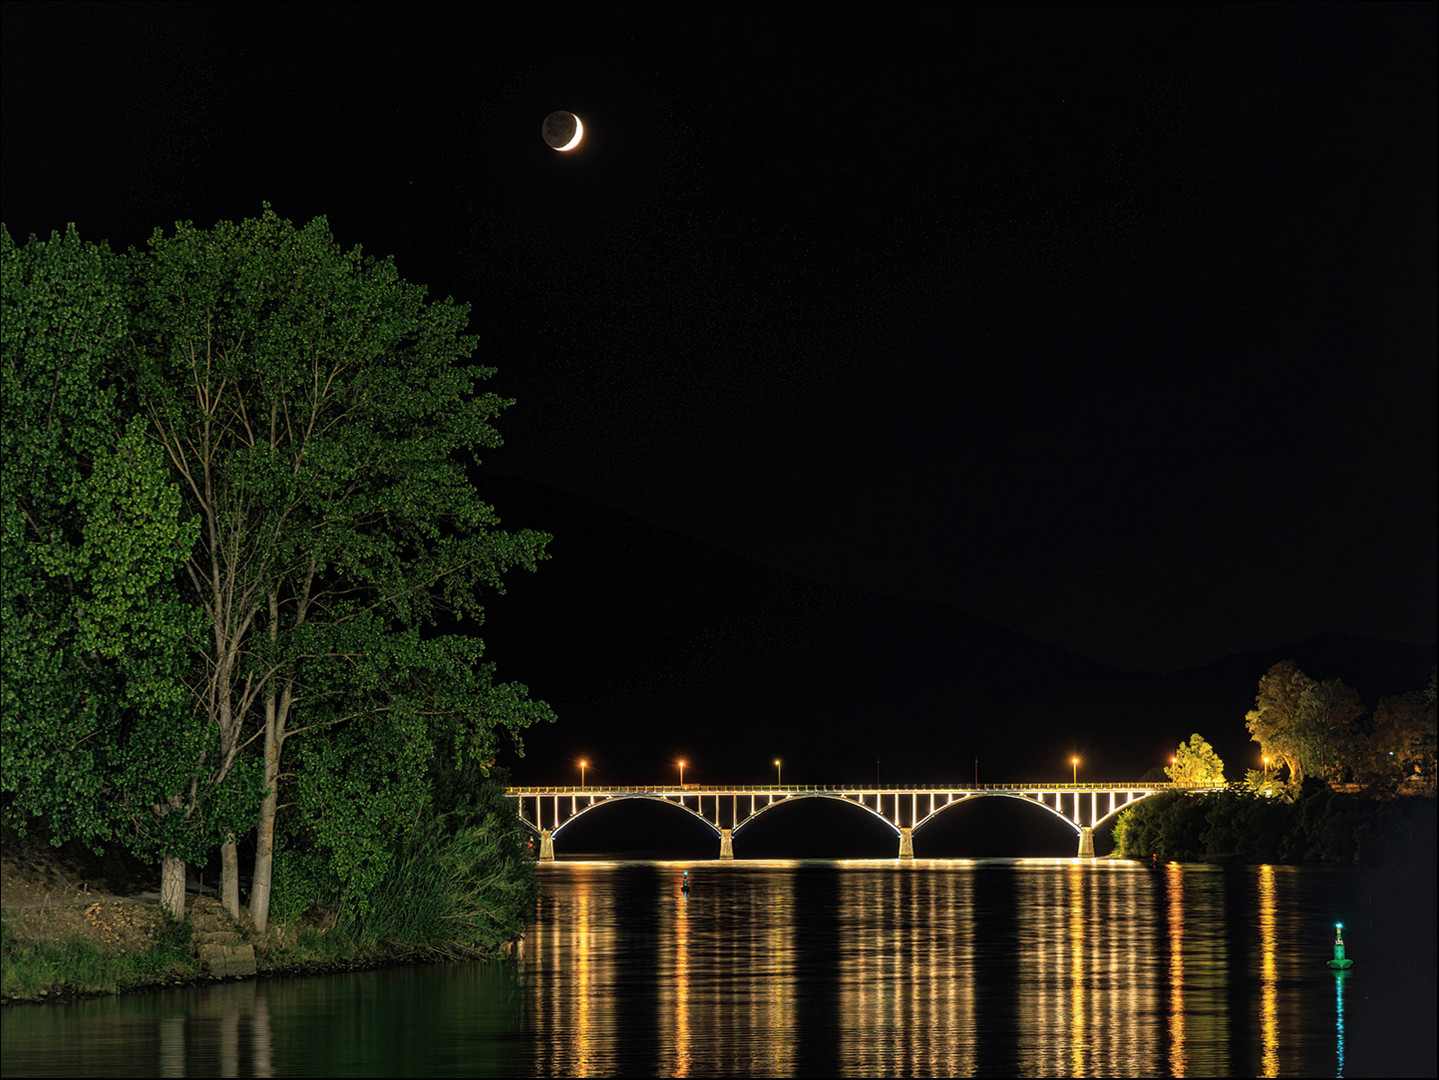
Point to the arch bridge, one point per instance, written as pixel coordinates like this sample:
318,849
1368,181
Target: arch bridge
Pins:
728,809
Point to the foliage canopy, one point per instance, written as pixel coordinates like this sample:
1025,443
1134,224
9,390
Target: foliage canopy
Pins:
1195,762
239,507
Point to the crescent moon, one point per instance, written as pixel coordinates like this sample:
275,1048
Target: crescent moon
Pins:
579,134
562,130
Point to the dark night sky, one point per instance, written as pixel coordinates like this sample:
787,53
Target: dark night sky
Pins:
1114,325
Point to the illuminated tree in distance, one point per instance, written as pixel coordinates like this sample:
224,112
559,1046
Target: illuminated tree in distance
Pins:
1195,762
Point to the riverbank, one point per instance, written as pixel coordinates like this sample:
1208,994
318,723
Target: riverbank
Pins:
1321,827
74,925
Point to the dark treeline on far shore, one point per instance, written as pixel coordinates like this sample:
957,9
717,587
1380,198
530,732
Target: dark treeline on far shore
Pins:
1340,783
1320,825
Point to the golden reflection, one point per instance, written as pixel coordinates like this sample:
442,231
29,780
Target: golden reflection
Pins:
1084,977
674,976
1199,975
778,1012
672,949
1075,880
906,969
1268,974
581,944
1115,970
577,1019
1174,889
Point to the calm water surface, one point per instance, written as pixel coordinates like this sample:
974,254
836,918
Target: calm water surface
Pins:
806,968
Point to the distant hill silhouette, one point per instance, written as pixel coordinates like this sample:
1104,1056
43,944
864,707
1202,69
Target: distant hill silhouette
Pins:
652,646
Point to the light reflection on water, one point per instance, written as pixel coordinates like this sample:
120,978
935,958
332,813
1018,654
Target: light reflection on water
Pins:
1028,967
788,968
1174,895
1269,973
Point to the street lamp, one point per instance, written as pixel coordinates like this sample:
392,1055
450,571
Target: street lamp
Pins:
778,773
582,772
1266,770
682,774
1075,762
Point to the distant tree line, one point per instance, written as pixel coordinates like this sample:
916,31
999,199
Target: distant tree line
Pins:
1326,793
244,561
1318,825
1319,728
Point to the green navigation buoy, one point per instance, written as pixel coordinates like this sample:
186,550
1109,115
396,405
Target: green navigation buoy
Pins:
1339,963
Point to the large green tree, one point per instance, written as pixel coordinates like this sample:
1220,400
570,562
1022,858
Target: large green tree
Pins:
1309,726
1401,742
322,417
1330,735
1274,721
99,738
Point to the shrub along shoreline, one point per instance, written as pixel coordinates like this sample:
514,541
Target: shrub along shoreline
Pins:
456,886
1318,827
77,966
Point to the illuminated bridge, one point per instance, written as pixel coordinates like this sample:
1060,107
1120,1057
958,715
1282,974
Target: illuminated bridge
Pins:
726,810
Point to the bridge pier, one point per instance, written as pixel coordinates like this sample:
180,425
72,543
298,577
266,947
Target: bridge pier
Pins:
547,845
726,847
906,843
1086,842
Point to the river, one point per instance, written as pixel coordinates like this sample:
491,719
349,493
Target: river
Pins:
1044,967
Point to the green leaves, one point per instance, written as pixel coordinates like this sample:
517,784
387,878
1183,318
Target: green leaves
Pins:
323,417
1195,762
98,732
238,511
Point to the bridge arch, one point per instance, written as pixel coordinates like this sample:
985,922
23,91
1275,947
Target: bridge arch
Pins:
1016,796
584,810
745,822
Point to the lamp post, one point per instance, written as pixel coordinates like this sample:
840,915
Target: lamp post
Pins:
582,772
1266,770
1075,762
682,774
778,773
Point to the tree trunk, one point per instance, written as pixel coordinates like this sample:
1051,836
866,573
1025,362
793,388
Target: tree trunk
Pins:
172,888
265,839
230,878
276,713
229,740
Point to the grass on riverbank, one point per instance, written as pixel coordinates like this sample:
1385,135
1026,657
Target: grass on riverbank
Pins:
36,970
